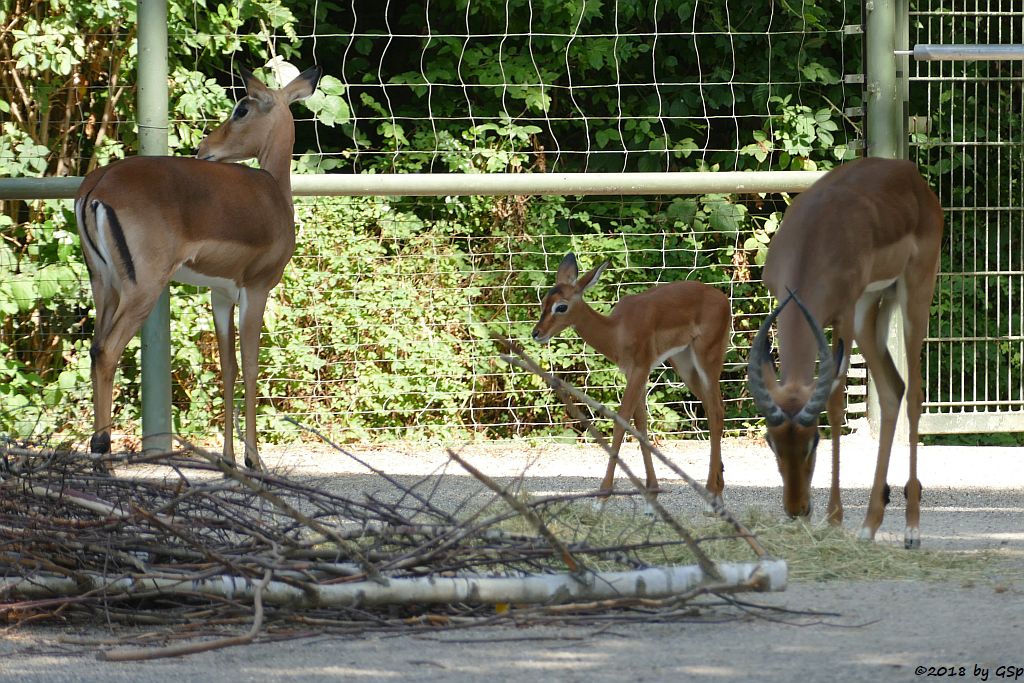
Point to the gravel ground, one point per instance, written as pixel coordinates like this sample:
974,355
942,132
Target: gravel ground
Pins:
868,631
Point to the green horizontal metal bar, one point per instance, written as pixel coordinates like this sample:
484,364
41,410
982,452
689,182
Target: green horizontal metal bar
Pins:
555,183
39,188
924,52
966,79
948,13
423,184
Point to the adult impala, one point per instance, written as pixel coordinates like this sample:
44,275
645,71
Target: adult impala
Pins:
145,221
685,323
861,242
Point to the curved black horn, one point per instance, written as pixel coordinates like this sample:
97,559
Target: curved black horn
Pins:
759,355
826,372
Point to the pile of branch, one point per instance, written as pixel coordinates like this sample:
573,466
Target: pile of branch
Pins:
185,542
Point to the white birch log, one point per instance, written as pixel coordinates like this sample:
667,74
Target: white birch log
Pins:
654,582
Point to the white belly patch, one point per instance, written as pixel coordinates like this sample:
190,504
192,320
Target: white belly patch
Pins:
880,285
187,276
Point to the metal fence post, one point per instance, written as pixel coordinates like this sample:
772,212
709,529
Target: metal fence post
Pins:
887,29
153,117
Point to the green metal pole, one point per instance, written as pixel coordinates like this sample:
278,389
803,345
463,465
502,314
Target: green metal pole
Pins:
902,42
883,95
886,93
153,117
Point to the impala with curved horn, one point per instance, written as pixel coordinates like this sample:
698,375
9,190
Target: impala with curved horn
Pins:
686,323
145,221
860,243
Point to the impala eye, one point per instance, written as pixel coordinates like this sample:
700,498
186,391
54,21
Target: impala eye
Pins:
561,307
241,109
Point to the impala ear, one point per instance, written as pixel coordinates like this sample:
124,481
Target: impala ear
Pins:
303,85
255,89
253,85
590,279
568,270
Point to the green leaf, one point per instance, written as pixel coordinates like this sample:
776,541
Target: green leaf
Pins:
328,102
67,380
725,216
53,280
605,135
23,292
682,210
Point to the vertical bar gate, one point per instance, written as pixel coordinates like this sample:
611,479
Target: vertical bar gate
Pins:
967,134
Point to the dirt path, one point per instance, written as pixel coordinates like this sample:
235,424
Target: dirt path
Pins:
870,631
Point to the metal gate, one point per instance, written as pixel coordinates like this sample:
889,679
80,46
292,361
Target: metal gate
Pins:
966,122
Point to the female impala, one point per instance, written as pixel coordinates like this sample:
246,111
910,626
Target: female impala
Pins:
685,323
145,221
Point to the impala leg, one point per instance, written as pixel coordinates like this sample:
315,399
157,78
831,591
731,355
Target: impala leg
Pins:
843,333
704,385
101,370
252,304
714,409
609,475
106,300
640,420
836,412
118,318
224,324
636,385
915,324
912,491
872,332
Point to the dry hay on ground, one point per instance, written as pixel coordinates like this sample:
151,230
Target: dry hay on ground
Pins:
67,533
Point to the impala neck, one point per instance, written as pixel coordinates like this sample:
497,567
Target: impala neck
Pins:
597,330
798,350
276,159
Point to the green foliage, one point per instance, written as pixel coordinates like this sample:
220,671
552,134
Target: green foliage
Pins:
41,366
350,329
560,65
795,134
381,325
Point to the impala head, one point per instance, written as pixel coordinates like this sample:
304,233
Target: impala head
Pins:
561,300
259,120
791,409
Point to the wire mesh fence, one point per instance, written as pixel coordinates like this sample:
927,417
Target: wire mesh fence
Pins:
620,88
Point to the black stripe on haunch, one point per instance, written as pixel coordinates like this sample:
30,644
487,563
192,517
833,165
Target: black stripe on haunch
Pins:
121,242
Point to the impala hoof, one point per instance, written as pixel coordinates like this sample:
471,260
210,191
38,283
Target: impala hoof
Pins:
866,534
912,538
648,509
99,444
711,509
99,448
101,468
